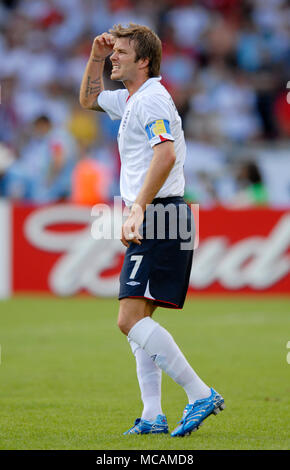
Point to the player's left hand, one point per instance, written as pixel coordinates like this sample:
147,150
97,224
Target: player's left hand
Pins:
130,229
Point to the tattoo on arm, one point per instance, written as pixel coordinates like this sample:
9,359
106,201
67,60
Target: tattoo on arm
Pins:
93,87
98,60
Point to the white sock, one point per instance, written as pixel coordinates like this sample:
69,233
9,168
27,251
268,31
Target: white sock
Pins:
163,350
149,377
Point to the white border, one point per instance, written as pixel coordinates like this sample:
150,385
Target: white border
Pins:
5,249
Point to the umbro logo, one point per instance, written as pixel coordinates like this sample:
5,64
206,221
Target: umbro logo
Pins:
153,357
133,283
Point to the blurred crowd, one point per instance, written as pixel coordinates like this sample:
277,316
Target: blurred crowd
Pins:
225,62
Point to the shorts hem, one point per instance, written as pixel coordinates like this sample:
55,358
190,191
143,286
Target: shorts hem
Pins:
157,302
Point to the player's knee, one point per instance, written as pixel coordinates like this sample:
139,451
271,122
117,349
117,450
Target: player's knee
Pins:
131,311
127,318
123,324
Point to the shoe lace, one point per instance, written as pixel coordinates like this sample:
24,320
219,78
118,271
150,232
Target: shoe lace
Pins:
197,404
137,421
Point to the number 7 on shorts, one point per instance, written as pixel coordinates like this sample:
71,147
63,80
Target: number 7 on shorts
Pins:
137,259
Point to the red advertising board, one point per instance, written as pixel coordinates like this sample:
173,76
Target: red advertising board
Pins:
53,250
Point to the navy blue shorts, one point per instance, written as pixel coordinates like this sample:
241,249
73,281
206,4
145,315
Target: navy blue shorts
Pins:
159,268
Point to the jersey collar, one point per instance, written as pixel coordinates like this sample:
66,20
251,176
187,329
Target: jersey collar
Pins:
149,82
146,84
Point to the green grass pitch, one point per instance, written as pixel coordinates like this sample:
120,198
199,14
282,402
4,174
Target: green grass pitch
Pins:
68,380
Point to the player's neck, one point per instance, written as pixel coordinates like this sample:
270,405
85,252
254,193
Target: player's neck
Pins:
134,85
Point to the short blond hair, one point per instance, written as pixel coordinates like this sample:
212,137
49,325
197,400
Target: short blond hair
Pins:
147,44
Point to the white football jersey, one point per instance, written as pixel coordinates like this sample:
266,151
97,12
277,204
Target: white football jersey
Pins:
148,117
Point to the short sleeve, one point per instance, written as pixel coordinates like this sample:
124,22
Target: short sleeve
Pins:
155,114
113,102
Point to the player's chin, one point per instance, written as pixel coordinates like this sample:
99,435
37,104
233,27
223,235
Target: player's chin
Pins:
115,75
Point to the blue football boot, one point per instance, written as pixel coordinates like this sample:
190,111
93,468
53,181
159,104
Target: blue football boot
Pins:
195,414
141,426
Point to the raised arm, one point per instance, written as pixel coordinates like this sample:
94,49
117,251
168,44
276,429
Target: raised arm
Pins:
92,82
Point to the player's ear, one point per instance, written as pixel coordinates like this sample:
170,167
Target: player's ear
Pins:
143,63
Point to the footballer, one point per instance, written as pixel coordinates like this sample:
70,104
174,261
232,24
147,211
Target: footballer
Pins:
156,269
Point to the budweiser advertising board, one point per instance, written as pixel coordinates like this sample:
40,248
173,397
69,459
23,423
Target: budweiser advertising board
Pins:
51,249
